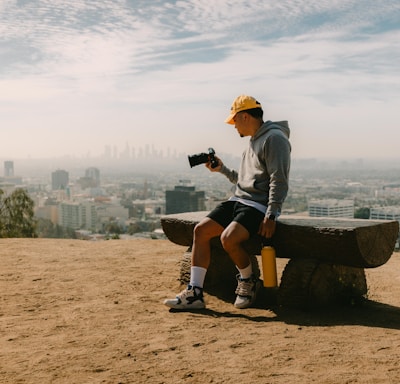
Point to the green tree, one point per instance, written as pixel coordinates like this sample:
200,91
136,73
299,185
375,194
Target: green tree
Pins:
362,213
16,214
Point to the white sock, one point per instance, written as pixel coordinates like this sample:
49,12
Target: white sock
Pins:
197,276
245,273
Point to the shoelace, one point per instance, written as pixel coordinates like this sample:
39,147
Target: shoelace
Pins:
244,288
186,292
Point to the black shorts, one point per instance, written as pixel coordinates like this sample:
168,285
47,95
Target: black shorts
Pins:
229,211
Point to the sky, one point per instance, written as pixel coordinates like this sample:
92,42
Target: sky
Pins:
77,76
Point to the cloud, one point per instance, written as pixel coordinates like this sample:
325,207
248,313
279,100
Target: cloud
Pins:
137,66
138,36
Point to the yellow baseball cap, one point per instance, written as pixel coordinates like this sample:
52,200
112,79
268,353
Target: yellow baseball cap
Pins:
242,103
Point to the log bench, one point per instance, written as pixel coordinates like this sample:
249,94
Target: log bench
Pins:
327,256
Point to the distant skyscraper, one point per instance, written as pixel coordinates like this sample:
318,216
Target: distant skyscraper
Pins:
93,174
91,178
59,179
184,198
8,168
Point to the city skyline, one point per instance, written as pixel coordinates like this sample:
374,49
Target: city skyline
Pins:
78,76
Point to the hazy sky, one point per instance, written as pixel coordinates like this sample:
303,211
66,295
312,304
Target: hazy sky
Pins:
78,75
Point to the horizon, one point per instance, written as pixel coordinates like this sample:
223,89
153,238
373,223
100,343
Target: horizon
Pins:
179,167
76,77
120,156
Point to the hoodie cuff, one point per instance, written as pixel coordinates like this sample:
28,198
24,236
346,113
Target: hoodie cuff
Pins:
273,209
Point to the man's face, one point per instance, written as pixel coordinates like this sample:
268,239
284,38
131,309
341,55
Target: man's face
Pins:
240,120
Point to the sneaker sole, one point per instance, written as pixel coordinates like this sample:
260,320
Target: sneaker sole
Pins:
198,305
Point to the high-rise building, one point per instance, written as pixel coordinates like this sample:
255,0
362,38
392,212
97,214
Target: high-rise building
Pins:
331,208
184,198
93,174
91,178
77,215
8,168
59,179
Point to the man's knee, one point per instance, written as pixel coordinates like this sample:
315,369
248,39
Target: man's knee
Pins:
205,230
198,230
233,237
229,241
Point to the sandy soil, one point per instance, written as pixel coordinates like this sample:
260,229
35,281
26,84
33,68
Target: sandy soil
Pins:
91,312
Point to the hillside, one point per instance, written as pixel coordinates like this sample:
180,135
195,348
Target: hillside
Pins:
75,311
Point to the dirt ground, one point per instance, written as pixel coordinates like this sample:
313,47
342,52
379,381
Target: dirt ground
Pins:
74,311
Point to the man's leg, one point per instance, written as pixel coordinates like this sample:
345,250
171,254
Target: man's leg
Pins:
232,238
202,234
192,296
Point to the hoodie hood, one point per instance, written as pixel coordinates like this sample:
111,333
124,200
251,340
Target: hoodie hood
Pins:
268,125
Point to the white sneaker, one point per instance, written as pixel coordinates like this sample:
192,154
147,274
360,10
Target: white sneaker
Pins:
189,298
246,291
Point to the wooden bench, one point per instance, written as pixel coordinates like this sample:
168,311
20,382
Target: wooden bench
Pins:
327,256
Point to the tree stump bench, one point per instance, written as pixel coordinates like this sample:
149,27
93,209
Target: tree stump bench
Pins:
327,256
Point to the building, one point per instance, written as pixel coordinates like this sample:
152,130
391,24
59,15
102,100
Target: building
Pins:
110,211
77,215
93,174
8,169
47,212
59,179
91,178
386,213
184,198
9,180
331,208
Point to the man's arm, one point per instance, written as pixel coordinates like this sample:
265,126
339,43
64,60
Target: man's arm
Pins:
277,151
278,166
231,174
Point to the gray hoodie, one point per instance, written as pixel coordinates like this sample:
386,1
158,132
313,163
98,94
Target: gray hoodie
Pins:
263,176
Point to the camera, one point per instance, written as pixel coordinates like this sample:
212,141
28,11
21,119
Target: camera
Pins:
202,158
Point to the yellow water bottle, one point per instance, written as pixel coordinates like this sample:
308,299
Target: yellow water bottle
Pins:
268,260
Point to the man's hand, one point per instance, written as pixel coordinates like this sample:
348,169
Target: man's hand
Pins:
267,228
217,168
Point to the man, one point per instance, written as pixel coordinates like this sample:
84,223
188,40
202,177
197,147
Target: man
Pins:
261,188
